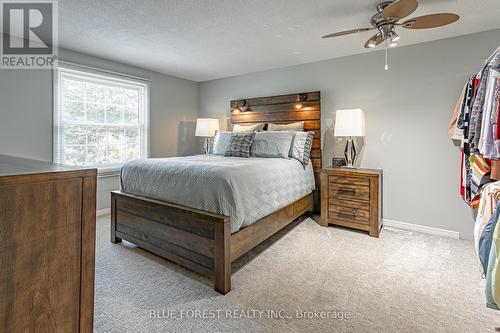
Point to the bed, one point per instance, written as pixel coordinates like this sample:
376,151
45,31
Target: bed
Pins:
203,212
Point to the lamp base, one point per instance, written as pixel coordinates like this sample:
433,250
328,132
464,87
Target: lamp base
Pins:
350,153
207,145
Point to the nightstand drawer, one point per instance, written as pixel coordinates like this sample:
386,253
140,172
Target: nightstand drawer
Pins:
356,181
349,211
347,191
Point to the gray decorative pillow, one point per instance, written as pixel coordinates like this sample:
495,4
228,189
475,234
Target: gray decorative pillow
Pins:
221,142
272,144
240,145
301,146
248,128
299,127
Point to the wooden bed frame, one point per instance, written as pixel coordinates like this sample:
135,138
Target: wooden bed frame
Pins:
200,240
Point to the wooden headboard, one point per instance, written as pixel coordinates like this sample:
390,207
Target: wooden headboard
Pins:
284,109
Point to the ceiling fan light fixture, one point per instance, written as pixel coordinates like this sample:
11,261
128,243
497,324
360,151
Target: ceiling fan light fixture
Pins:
388,17
394,37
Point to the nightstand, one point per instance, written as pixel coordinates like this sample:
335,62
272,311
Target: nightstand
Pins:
352,198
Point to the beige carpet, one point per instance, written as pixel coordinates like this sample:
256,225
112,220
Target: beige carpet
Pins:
399,283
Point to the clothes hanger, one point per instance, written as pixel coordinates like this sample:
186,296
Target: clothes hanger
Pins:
493,55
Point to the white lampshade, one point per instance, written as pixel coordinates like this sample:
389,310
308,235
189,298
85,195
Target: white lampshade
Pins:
206,127
350,123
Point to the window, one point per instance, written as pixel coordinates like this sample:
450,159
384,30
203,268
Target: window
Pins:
100,119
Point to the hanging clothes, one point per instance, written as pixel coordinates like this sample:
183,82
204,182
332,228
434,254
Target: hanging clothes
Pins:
476,113
454,132
486,210
485,241
492,288
475,123
495,164
462,123
463,120
479,173
487,140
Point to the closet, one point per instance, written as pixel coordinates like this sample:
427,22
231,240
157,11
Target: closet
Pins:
476,129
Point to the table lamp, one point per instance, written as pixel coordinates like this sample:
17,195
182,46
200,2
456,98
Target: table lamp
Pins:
206,127
350,124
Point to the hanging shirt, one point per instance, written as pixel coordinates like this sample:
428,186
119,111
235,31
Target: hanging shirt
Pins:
464,116
492,287
486,102
476,116
454,132
487,205
487,238
479,173
486,143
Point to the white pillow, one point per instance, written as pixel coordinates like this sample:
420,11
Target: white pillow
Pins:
221,142
249,128
298,127
272,144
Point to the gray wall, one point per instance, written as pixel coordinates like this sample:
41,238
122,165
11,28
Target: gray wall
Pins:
26,114
407,112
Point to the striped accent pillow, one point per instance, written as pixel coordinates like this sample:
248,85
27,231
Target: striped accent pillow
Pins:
301,146
240,145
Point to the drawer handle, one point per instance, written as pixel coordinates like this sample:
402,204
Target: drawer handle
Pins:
346,189
352,213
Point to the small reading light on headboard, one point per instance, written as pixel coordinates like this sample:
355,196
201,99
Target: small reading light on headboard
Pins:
300,98
240,103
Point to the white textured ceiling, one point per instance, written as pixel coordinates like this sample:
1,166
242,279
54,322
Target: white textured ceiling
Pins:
207,39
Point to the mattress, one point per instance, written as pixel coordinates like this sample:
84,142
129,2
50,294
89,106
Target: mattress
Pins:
245,189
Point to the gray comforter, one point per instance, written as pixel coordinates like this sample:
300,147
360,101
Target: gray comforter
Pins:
245,189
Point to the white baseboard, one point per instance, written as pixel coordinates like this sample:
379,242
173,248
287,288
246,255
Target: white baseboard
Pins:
103,212
422,229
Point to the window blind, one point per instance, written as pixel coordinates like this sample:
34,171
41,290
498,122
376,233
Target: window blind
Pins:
101,119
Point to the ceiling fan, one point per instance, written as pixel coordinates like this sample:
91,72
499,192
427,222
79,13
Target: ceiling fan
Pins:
387,18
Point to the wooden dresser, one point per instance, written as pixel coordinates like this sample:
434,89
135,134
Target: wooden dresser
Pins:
352,198
47,246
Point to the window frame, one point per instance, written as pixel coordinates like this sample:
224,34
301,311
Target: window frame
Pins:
80,72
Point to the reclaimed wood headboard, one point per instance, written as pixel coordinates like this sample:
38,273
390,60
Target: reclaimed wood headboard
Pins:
285,109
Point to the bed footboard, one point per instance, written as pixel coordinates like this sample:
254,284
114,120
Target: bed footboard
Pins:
198,240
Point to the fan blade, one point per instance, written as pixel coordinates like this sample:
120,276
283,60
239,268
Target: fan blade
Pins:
375,39
430,21
347,32
399,9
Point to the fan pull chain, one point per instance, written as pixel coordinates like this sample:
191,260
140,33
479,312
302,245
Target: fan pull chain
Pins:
386,56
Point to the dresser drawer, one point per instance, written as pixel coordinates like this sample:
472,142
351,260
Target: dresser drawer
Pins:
351,211
348,191
342,180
